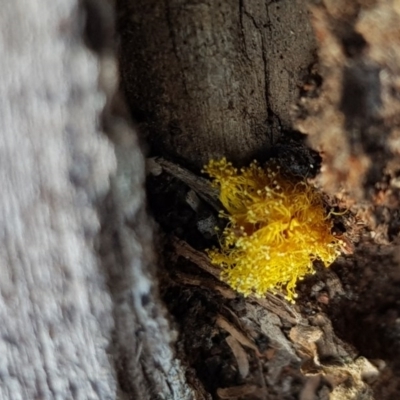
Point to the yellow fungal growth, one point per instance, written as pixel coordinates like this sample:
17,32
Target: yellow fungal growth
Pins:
276,228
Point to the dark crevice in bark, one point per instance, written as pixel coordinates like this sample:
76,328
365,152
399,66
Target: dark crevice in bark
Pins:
242,29
264,55
172,35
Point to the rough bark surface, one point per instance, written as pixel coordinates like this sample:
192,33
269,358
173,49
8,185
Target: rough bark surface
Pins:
55,309
355,119
223,74
80,316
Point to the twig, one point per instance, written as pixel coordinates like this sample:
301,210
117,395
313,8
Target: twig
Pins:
200,185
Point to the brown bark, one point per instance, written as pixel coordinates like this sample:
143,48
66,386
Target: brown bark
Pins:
223,74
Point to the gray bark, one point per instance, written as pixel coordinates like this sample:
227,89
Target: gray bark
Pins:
75,322
55,310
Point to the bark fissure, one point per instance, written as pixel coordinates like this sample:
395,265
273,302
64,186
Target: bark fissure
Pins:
175,49
263,55
242,29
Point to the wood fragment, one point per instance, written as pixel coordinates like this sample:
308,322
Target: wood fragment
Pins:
279,307
200,281
240,355
239,336
236,391
305,338
308,392
198,184
183,249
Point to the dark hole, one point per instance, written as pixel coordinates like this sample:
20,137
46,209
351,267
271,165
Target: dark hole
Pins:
354,44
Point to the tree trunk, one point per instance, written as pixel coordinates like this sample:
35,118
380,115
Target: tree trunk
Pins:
223,74
76,322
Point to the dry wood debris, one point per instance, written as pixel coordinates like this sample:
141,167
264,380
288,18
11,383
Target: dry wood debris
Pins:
266,334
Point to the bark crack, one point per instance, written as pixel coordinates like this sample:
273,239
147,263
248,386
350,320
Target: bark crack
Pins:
242,12
263,54
172,35
272,117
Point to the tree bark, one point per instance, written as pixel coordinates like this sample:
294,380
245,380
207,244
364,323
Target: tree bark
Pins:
223,74
56,319
80,315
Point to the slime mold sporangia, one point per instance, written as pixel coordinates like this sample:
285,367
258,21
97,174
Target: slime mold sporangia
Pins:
277,227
